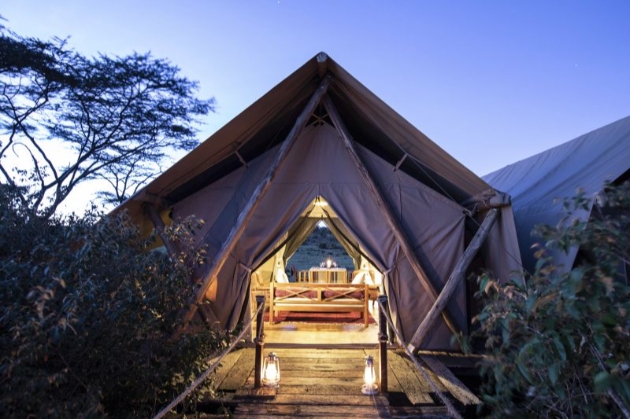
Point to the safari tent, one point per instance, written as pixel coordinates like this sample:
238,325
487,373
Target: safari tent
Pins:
539,184
320,139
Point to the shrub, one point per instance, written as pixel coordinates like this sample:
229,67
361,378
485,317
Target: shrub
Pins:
559,343
87,313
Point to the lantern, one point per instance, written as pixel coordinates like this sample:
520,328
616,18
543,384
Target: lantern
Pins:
271,371
369,377
328,263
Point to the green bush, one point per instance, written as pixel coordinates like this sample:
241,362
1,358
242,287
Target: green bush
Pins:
86,318
559,343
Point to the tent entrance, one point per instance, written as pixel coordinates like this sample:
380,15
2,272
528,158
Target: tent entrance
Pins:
320,257
318,252
316,248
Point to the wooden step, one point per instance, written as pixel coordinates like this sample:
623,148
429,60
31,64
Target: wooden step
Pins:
327,383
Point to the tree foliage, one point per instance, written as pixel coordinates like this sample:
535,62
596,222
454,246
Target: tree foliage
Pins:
559,343
69,118
86,316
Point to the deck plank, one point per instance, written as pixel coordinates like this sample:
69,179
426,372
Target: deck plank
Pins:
242,370
337,411
417,390
225,367
326,383
393,386
418,411
317,353
322,389
326,399
421,377
296,411
349,374
319,364
452,384
306,380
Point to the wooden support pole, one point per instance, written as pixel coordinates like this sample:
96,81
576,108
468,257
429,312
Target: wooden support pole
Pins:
456,277
385,209
260,340
382,340
154,216
208,317
322,64
248,211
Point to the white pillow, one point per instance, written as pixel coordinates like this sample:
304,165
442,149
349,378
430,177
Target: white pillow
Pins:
363,277
281,276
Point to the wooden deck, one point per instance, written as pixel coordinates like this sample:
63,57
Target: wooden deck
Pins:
327,383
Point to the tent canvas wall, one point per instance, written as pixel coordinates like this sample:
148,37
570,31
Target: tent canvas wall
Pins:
539,184
400,199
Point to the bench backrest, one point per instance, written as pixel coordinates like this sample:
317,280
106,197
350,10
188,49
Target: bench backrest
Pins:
318,292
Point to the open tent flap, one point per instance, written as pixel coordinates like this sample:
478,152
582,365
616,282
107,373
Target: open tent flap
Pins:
501,241
298,235
320,212
433,223
350,245
299,232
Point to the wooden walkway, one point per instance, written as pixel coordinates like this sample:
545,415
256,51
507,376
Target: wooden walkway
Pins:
327,383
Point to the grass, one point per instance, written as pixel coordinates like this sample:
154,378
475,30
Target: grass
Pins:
317,247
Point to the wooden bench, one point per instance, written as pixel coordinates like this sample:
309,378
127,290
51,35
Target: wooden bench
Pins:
329,298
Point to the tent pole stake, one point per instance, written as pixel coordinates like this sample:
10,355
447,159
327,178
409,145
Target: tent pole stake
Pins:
158,223
382,340
260,340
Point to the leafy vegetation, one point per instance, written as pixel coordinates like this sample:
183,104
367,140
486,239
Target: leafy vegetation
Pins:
559,343
87,314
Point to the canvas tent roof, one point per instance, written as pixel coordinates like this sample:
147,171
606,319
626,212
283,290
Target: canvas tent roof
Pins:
267,121
253,180
540,183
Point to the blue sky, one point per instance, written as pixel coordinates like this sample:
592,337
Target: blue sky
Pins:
491,82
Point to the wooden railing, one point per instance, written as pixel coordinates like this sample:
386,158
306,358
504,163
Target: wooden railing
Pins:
384,320
259,340
382,341
214,365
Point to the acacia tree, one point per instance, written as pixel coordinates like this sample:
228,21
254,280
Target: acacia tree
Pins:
66,118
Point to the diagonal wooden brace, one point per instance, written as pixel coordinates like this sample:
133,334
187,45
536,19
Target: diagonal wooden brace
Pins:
154,216
385,209
207,315
429,322
241,223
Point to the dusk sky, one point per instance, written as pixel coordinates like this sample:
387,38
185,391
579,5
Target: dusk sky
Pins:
491,82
